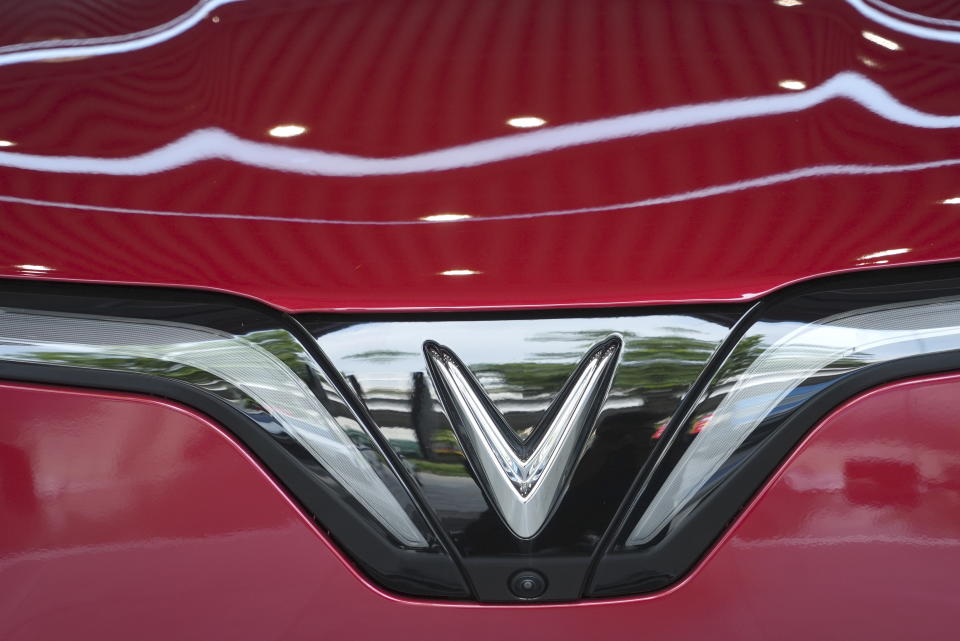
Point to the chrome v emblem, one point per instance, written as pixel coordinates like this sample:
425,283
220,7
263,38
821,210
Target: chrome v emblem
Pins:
524,479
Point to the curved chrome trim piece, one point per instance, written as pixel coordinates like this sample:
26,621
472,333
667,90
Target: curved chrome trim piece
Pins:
228,364
524,479
792,353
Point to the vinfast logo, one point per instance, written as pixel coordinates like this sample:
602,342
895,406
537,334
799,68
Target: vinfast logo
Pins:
524,478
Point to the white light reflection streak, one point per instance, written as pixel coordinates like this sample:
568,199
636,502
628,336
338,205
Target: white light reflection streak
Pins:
215,143
879,40
919,17
919,31
90,47
816,171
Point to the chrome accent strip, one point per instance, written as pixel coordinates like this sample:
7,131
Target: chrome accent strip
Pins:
220,362
790,353
524,479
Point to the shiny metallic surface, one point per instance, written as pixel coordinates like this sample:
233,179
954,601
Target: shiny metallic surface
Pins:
524,480
519,365
240,369
360,155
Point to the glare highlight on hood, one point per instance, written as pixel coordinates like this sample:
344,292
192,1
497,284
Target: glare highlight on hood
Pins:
81,48
287,131
215,143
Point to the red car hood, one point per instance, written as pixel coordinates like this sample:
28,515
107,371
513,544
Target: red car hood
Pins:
696,151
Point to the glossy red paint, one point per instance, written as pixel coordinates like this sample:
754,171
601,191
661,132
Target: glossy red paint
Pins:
671,209
129,517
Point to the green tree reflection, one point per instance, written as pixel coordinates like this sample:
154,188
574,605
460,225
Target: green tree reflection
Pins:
668,362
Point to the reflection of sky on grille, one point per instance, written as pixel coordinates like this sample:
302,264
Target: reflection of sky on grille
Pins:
494,341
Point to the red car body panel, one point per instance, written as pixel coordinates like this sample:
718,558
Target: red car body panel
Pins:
849,173
130,517
691,152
